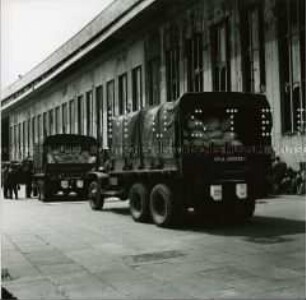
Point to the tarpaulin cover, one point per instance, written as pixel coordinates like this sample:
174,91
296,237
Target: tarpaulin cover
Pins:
145,139
150,138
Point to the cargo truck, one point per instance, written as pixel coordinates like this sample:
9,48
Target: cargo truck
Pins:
61,163
209,151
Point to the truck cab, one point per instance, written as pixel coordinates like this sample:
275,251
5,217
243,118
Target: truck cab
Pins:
61,165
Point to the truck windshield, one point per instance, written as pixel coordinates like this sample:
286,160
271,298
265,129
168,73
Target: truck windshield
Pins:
71,154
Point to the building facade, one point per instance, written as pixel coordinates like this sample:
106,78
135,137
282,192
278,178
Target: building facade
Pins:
139,53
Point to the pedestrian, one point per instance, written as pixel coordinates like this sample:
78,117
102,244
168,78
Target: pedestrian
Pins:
4,181
301,184
27,170
12,182
279,170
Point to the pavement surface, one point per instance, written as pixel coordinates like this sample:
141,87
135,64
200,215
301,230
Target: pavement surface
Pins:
64,250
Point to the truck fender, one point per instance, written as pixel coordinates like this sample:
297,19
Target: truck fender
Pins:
99,176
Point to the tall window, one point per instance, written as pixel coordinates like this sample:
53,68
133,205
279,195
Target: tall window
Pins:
89,113
45,124
292,64
123,94
29,136
110,103
57,120
194,55
39,128
34,131
71,116
15,141
137,98
110,95
19,140
153,71
173,73
24,133
253,56
80,114
99,112
64,118
51,123
221,57
11,138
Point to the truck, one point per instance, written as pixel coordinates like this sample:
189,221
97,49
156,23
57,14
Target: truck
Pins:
209,151
61,163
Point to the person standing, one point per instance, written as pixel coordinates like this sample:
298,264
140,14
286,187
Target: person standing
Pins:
12,182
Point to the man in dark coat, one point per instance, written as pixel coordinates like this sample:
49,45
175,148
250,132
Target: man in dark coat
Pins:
27,170
4,181
11,180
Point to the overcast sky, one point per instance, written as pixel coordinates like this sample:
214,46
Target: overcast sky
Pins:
33,29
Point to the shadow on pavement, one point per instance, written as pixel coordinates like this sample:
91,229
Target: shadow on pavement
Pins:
5,294
260,229
118,210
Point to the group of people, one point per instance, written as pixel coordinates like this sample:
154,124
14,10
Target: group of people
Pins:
287,181
9,180
14,174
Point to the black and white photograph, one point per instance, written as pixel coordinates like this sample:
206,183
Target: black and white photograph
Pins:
153,149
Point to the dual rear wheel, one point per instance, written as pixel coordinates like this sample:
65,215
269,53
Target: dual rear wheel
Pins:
159,205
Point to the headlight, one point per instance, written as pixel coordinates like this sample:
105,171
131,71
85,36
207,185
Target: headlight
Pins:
80,184
64,184
216,192
242,190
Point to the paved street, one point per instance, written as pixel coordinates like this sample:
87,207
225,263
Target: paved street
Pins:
63,250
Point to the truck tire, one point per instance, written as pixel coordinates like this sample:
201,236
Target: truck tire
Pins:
162,206
96,201
243,213
139,202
